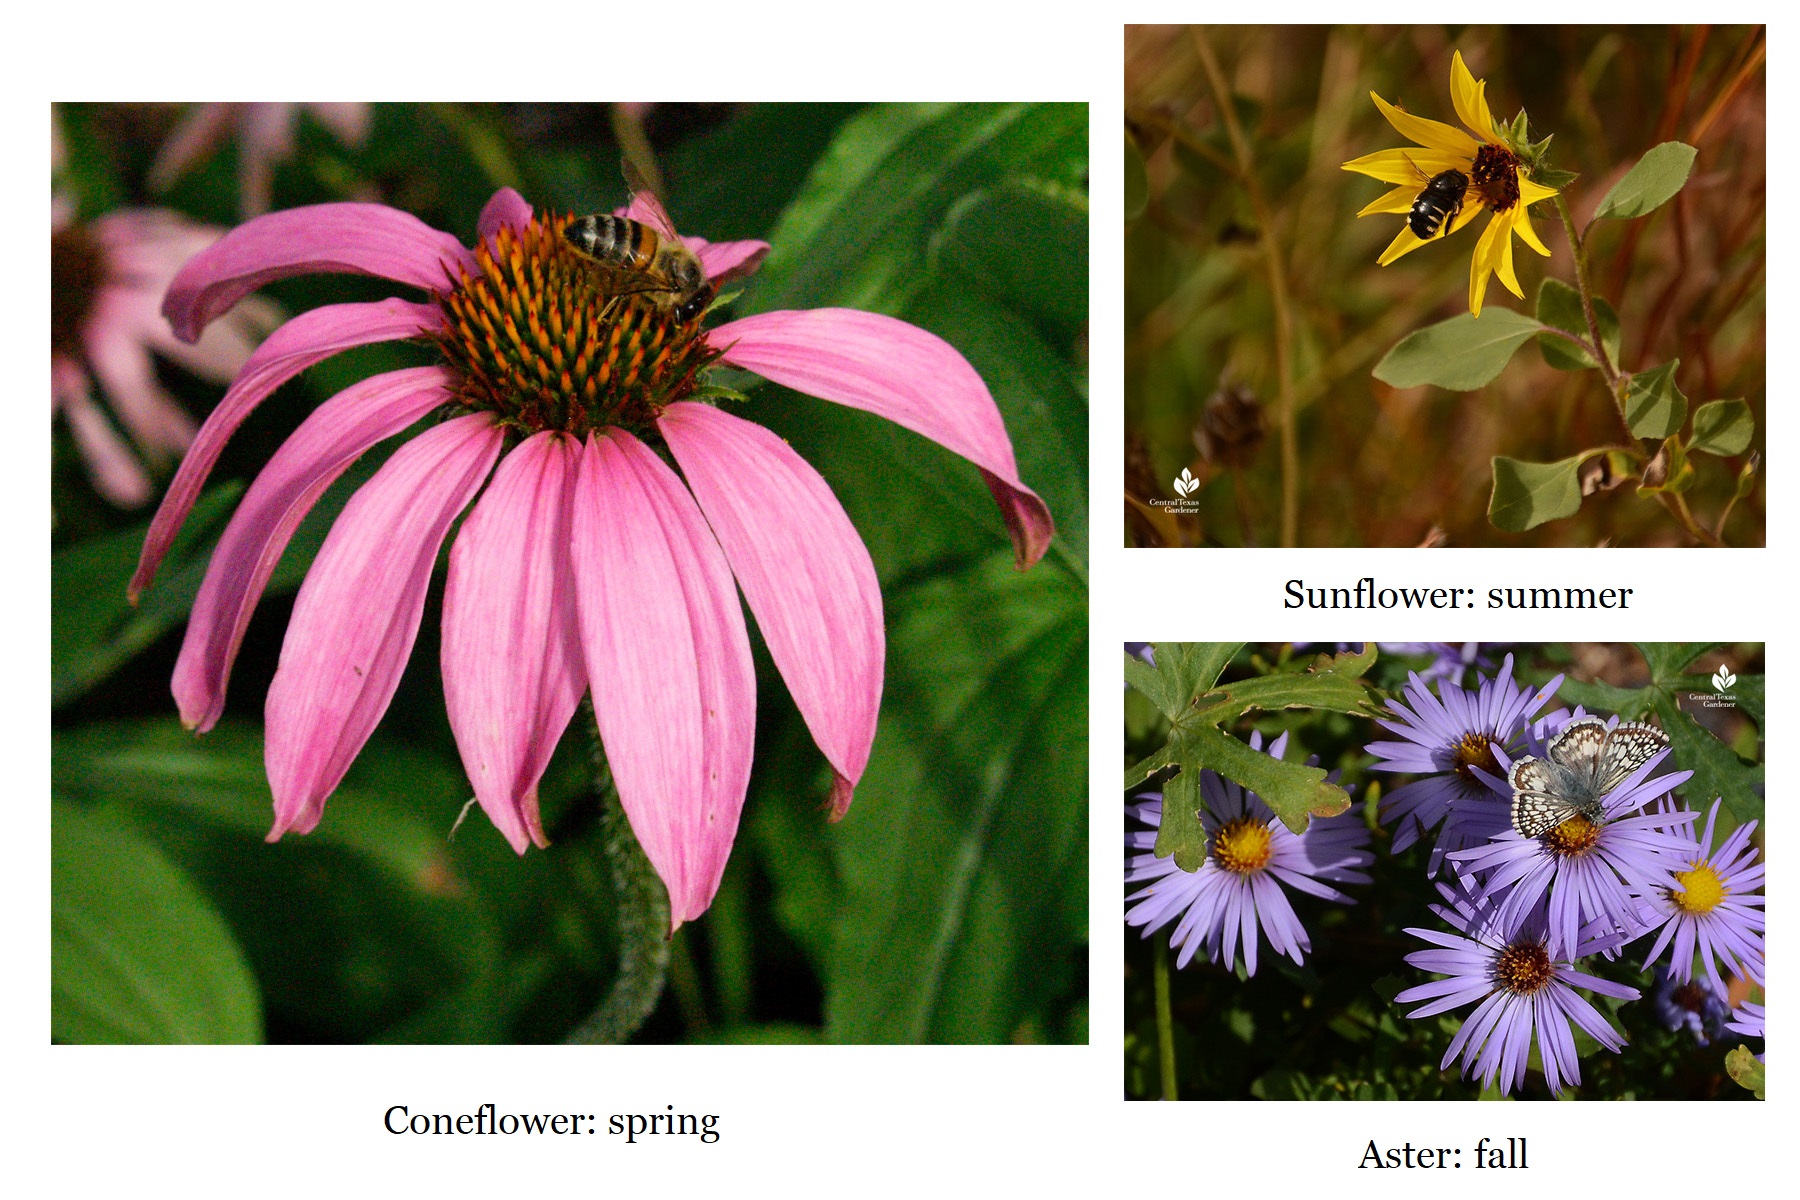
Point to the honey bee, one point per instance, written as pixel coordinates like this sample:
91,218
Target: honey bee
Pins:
643,258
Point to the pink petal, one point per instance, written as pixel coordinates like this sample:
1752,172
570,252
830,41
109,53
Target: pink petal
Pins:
804,571
155,419
116,472
726,261
327,442
358,612
204,126
512,648
506,209
669,662
303,341
359,239
900,372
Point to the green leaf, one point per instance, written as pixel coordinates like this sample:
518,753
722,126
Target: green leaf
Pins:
137,951
1650,184
1747,691
1723,427
1745,1070
1024,243
1459,355
1559,305
1654,406
962,868
1526,494
1329,682
1183,671
1717,770
1137,182
1666,659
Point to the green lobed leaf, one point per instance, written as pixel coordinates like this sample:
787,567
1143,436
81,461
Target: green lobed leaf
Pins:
1559,305
1723,427
1597,696
1654,405
1459,355
1183,671
1331,682
1181,832
137,951
1666,659
1717,770
1526,494
1747,691
1650,183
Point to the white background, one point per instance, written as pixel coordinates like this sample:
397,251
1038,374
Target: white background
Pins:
292,1121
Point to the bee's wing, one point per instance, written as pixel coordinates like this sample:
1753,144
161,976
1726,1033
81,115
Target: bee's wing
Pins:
644,205
616,280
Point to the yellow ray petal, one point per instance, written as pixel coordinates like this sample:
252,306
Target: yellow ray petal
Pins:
1405,242
1530,193
1400,200
1505,265
1482,264
1522,225
1470,97
1433,134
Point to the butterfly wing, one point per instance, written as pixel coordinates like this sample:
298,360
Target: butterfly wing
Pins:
1542,795
1629,746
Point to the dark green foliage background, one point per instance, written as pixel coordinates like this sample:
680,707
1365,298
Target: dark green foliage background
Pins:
950,905
1329,1030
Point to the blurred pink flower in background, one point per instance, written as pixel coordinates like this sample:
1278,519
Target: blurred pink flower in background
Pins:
265,137
107,279
587,561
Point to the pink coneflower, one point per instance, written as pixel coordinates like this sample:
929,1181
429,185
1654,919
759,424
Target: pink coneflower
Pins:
587,560
265,137
107,279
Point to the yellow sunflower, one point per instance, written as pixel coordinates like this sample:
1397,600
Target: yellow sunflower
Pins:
1490,167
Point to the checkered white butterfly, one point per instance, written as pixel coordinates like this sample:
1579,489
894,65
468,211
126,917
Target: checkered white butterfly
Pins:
1584,761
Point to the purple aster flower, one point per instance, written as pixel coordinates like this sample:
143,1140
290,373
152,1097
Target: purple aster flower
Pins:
1710,908
1589,870
1694,1004
1522,990
1747,1019
1446,736
1237,890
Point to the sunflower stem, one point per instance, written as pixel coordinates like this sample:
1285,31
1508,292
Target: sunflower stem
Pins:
1578,248
643,914
1165,1025
1278,299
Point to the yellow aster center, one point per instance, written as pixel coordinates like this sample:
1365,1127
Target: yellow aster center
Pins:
1574,837
1704,889
1474,750
1243,846
1523,969
539,341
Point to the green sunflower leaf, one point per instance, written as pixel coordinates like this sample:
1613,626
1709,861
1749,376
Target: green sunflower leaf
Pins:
1559,305
1651,183
1654,406
1526,494
1459,355
1723,427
